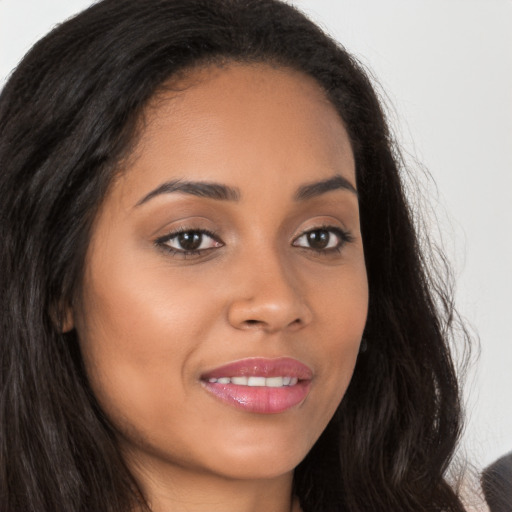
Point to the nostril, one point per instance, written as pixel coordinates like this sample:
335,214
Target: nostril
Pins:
269,313
251,322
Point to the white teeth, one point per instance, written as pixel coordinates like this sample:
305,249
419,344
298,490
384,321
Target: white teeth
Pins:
255,381
240,381
274,382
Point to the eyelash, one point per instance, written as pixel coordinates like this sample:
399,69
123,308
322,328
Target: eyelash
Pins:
343,236
162,242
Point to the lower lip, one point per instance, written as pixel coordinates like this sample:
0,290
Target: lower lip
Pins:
261,400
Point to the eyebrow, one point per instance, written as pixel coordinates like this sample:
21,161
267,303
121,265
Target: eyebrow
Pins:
318,188
211,190
194,188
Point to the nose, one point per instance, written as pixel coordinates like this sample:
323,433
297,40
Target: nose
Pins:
268,297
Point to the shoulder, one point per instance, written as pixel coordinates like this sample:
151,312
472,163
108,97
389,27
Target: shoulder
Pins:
497,484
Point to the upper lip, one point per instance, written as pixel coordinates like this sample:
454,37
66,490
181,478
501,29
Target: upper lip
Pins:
262,367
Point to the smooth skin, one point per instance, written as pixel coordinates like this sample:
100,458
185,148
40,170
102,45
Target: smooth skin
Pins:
176,284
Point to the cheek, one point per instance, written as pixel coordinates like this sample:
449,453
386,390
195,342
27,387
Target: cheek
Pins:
340,301
341,311
138,334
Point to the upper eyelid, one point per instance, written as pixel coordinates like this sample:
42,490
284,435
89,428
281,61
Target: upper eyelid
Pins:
162,243
344,235
336,229
176,232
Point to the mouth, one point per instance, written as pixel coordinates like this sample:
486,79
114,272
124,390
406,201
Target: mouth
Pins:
257,381
259,385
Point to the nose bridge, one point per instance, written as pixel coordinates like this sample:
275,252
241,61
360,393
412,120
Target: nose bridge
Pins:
268,295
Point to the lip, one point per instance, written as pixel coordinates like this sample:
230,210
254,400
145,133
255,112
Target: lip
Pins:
261,400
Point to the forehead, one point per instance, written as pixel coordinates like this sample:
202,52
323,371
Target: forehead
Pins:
253,121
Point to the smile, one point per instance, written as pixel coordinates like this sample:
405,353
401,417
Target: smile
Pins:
259,385
269,382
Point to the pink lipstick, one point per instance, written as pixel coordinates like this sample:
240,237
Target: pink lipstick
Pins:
260,385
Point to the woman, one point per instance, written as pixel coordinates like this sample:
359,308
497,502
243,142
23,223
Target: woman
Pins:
213,297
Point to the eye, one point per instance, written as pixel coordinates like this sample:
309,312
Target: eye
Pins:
188,242
323,239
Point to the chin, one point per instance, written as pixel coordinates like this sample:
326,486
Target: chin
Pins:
266,457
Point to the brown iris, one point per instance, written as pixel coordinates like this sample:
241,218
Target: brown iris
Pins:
318,239
190,241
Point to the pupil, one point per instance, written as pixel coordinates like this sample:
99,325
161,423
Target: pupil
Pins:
190,241
318,239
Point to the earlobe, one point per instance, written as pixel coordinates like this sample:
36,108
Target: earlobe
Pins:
66,321
63,318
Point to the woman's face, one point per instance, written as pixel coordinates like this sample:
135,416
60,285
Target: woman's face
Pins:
225,294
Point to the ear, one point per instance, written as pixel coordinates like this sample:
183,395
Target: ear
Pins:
62,318
66,320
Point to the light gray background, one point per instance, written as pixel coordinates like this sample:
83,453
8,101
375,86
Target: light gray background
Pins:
445,71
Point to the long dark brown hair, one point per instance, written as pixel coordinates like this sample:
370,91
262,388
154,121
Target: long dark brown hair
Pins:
68,115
